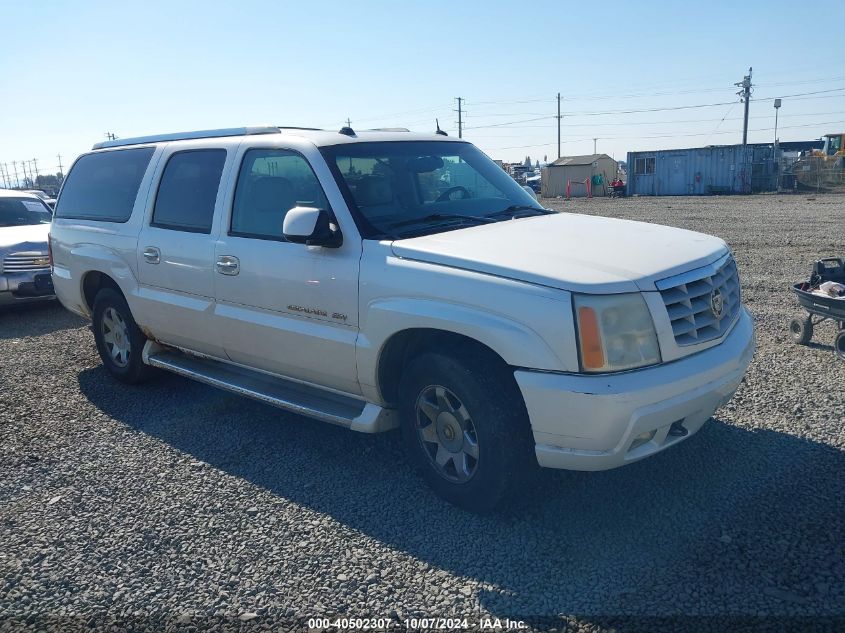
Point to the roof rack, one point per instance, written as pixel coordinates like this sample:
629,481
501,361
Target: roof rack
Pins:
182,136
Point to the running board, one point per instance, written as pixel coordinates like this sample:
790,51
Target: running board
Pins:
296,397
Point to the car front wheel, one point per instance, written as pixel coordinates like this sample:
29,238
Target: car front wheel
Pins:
466,429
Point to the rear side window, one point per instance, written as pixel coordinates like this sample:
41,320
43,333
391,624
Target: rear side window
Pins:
188,190
104,186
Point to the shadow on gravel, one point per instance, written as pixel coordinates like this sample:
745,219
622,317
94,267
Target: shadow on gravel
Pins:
731,522
36,319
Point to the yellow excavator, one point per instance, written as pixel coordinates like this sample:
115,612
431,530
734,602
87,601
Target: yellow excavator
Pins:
823,168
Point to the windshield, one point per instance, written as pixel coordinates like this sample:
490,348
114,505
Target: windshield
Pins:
23,212
414,187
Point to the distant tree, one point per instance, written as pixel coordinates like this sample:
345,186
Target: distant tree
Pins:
49,183
527,163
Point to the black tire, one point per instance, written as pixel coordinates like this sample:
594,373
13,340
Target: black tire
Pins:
801,330
498,420
133,370
839,344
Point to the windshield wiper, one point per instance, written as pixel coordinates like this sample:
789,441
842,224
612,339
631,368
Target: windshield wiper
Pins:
433,217
516,208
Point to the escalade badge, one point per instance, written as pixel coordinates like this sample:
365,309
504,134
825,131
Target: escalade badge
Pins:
717,303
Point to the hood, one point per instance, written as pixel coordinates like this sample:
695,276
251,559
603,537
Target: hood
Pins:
25,238
579,253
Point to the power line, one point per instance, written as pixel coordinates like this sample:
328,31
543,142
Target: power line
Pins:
675,122
644,110
478,127
654,136
665,92
394,115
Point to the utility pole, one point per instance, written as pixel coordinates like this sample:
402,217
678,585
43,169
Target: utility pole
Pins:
110,136
61,171
348,122
745,97
35,164
594,145
558,125
3,173
15,167
460,118
775,158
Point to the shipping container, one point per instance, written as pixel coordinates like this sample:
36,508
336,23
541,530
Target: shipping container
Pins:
718,169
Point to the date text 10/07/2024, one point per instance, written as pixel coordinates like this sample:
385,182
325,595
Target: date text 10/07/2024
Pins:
376,624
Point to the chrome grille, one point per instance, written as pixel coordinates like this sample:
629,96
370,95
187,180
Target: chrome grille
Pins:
26,262
690,304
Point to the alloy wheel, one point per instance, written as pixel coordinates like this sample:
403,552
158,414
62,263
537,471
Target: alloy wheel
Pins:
447,434
116,337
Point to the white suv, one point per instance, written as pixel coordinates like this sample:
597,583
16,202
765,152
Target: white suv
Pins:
383,279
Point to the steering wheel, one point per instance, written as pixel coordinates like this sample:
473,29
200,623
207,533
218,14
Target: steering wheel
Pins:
447,195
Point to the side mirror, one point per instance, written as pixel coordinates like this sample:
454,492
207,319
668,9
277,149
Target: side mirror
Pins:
312,227
530,191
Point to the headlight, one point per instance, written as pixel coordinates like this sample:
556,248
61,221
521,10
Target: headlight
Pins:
615,332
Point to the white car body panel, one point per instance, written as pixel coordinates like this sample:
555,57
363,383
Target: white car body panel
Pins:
300,302
579,253
14,235
590,422
399,294
180,288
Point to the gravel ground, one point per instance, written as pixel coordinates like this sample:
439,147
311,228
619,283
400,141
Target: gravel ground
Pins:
173,505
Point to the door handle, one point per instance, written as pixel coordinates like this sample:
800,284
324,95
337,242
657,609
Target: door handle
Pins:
228,265
152,255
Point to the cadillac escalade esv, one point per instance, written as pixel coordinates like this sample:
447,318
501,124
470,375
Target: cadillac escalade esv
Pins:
386,279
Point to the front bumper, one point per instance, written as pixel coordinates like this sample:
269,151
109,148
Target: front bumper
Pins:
583,422
24,287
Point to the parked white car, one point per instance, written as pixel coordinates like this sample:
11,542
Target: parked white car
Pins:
50,202
385,279
24,257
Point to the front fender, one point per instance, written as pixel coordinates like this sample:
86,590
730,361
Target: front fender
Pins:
517,343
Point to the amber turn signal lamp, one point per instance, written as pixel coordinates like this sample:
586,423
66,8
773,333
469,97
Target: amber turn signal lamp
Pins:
592,354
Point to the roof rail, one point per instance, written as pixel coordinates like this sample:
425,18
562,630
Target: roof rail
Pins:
181,136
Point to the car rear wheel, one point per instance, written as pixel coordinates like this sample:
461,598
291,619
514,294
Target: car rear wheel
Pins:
465,427
119,340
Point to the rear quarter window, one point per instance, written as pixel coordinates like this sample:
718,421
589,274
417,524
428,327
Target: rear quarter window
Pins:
104,186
